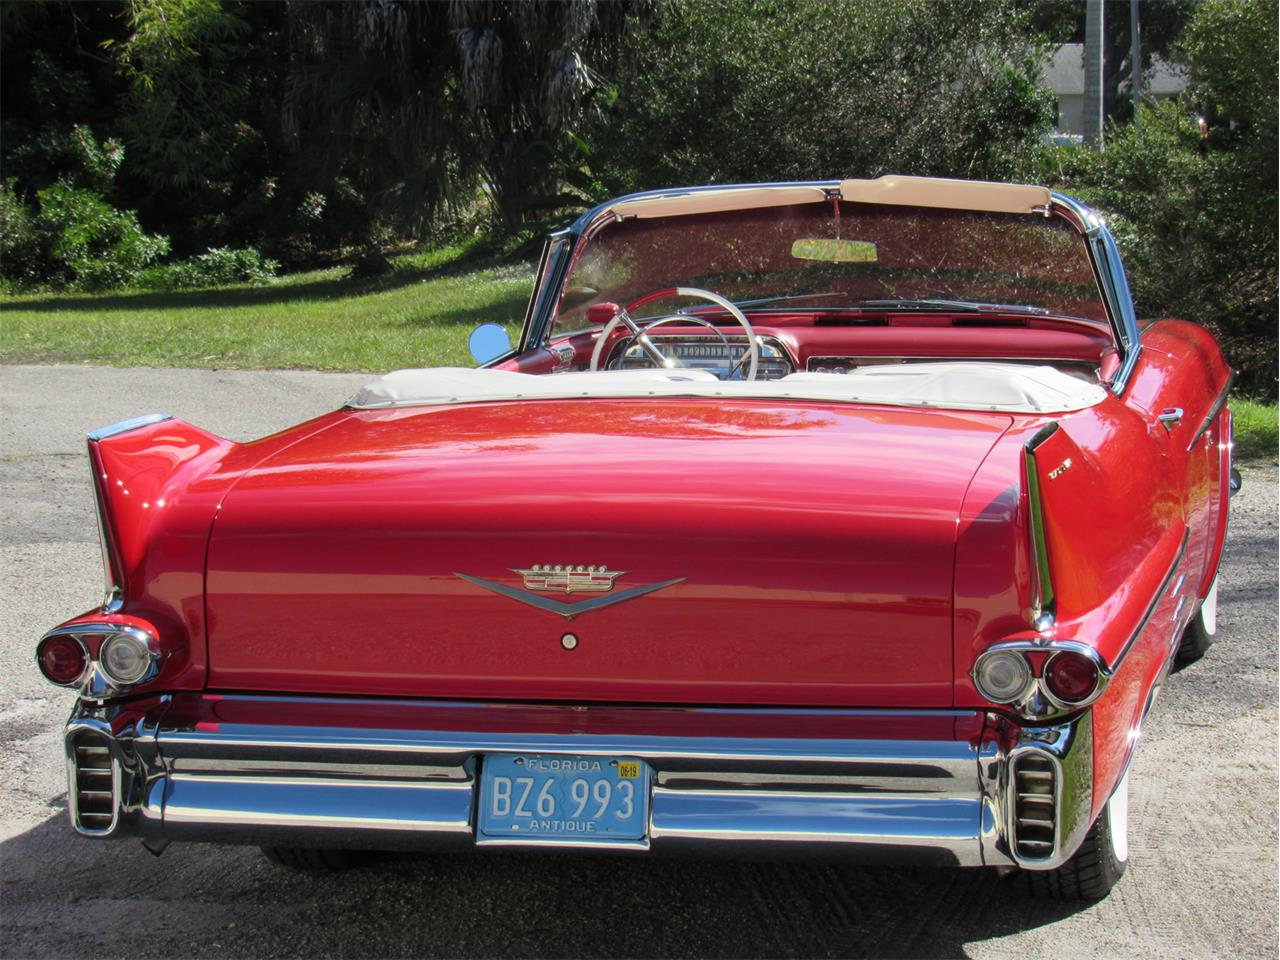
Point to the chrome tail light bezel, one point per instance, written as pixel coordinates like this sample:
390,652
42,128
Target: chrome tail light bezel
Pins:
96,683
1037,701
1094,692
1028,681
84,650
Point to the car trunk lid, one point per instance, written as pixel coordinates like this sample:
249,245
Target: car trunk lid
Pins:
699,552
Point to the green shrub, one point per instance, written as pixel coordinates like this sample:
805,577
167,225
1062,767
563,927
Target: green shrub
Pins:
19,243
92,245
73,237
74,240
214,267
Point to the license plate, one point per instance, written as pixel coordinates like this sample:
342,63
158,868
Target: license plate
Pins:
564,798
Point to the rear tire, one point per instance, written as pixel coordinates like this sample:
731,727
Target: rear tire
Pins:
1099,863
312,861
1198,637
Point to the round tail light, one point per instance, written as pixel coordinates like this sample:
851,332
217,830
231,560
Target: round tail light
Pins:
125,659
1002,677
1071,677
62,659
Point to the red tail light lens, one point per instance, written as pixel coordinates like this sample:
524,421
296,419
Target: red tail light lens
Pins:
62,660
1071,677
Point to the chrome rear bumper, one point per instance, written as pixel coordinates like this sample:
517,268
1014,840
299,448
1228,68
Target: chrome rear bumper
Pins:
928,786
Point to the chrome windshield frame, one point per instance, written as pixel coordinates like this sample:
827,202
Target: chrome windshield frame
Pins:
566,245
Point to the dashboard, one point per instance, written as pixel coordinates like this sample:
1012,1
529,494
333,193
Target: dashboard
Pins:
705,353
827,344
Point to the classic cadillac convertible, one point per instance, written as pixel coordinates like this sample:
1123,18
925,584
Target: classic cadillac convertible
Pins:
850,518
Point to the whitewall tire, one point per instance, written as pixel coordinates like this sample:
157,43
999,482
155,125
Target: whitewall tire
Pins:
1198,637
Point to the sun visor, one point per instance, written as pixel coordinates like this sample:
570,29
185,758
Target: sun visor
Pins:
948,194
719,201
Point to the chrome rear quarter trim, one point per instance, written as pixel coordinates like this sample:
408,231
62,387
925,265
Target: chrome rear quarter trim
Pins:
124,426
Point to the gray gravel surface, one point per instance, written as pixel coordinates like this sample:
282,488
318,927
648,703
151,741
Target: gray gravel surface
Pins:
1201,881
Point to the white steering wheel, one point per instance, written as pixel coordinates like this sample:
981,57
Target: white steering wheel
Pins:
751,355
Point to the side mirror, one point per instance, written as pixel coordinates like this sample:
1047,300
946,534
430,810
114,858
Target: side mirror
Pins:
601,313
487,342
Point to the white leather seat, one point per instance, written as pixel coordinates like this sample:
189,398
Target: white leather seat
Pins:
957,385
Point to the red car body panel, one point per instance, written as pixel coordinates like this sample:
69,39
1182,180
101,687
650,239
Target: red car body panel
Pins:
815,543
161,487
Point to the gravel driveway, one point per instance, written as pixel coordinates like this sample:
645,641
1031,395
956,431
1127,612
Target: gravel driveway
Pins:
1201,881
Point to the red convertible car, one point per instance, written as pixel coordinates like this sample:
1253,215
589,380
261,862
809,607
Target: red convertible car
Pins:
853,518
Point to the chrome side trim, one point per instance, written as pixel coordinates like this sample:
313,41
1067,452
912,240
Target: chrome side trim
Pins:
1042,595
124,426
112,579
1155,602
1214,410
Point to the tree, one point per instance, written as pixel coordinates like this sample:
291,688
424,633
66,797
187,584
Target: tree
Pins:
1161,25
1196,217
53,76
409,103
529,71
200,118
796,89
370,115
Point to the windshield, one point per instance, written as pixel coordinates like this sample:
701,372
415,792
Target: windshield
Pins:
835,255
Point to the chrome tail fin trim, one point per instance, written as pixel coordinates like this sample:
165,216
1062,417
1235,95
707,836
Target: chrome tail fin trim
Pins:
1042,595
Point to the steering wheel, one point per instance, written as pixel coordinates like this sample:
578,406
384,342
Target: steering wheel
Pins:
751,355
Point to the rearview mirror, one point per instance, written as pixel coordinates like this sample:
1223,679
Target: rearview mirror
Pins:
834,251
488,341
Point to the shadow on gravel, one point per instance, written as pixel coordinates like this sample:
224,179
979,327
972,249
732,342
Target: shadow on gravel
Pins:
67,896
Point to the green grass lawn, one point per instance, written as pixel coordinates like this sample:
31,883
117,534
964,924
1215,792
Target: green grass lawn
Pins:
420,314
1255,428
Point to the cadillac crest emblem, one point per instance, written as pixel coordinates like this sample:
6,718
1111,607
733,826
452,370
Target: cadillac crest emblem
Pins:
560,578
567,578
